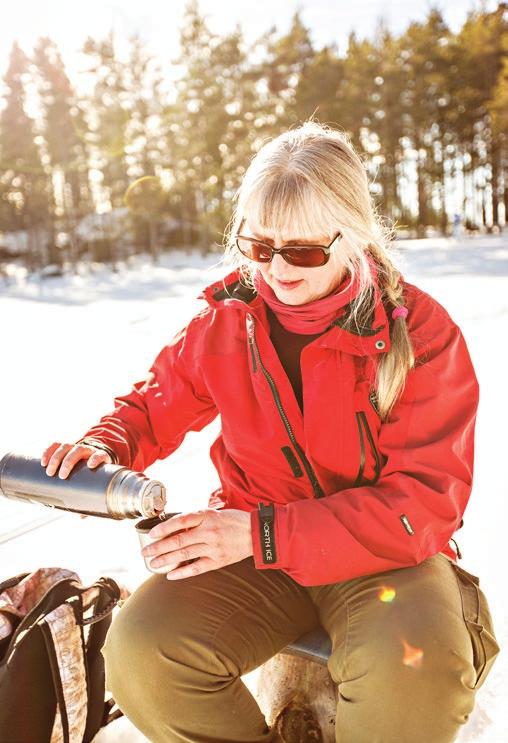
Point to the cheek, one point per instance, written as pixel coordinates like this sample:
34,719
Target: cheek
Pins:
264,270
322,276
326,279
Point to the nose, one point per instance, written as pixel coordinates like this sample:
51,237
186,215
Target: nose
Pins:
281,268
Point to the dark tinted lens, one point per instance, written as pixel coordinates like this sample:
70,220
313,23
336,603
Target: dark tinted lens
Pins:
254,250
308,257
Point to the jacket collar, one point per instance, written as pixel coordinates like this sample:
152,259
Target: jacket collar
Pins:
369,340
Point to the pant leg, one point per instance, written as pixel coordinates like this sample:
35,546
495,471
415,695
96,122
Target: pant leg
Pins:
405,654
176,650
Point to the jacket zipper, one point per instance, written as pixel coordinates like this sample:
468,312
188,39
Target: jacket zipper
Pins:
318,491
363,425
253,355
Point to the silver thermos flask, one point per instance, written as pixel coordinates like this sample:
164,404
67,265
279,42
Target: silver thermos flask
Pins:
110,490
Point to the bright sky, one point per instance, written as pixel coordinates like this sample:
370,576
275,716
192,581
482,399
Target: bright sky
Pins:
158,21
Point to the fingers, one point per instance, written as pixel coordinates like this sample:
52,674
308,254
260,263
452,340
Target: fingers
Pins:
169,544
98,457
48,453
178,523
174,559
58,452
196,567
64,457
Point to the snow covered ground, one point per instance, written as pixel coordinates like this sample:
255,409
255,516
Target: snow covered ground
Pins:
70,344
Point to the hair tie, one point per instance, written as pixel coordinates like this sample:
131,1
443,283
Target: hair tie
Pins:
400,312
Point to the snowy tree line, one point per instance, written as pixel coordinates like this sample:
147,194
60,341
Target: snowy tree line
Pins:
143,162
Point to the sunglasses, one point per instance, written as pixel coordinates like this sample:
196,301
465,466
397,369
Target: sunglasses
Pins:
305,256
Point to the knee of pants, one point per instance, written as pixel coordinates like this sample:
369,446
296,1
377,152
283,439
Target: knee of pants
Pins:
146,650
429,673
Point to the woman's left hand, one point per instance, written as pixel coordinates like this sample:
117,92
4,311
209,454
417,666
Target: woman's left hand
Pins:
216,538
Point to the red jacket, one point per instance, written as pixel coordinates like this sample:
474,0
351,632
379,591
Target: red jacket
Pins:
351,495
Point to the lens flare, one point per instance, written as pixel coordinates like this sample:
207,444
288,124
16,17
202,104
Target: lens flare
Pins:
386,594
412,656
146,196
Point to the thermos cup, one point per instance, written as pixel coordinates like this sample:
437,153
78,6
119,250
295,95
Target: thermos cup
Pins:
142,529
110,490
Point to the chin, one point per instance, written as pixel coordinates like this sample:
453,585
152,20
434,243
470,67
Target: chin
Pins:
291,298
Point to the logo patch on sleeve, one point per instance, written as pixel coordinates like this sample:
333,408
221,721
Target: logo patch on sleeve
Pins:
267,533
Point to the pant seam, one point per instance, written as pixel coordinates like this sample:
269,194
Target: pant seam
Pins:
232,615
346,643
224,621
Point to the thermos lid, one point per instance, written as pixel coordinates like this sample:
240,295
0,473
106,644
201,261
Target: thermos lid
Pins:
154,498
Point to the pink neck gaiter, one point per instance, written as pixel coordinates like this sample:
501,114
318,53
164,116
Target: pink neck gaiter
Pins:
314,317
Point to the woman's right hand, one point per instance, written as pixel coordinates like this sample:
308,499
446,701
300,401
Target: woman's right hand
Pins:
63,457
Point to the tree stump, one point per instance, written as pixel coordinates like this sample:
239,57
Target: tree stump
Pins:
296,693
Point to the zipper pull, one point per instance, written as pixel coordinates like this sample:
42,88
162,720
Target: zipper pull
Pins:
373,400
250,325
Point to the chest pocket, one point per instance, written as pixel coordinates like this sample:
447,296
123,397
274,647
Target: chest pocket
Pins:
370,459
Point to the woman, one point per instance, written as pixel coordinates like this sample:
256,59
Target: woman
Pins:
347,400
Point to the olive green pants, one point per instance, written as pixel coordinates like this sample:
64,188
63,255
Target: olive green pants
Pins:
410,649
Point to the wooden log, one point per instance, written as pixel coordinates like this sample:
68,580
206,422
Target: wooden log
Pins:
297,694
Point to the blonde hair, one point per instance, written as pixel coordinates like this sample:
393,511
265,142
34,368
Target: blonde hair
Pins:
308,181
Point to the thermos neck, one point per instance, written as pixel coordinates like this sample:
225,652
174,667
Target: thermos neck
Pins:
131,494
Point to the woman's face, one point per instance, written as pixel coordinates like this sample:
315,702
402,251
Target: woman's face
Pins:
293,284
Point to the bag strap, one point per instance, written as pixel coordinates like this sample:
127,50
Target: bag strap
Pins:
111,587
60,732
57,594
109,716
72,718
100,715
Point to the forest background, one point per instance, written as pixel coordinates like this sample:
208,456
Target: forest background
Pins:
136,164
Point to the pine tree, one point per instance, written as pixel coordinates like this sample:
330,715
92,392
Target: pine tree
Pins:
356,89
26,187
212,124
235,117
144,145
286,59
386,129
143,82
427,102
186,123
498,107
108,116
318,92
64,131
480,50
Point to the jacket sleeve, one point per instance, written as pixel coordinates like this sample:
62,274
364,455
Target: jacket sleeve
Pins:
411,512
151,421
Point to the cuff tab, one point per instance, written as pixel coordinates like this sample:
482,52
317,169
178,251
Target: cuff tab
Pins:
266,517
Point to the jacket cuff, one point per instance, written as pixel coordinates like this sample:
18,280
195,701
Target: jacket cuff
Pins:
89,441
265,542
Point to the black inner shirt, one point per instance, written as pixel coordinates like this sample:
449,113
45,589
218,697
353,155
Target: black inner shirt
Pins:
289,346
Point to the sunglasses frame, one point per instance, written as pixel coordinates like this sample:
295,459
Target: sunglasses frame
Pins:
327,249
